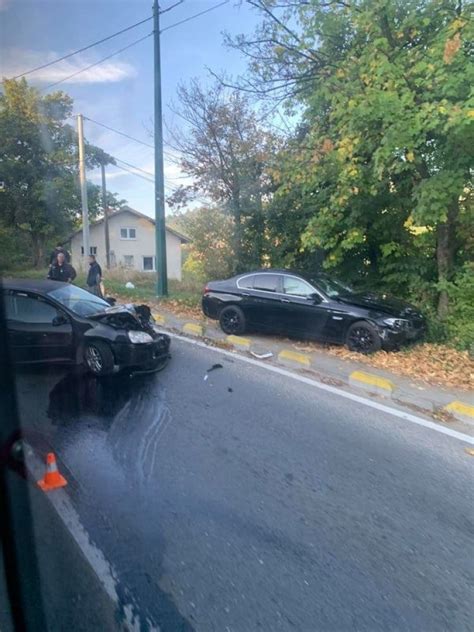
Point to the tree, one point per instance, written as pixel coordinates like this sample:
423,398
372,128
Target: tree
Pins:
40,200
387,133
210,252
226,152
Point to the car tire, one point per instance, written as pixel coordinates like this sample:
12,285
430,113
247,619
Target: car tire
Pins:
363,337
98,358
232,320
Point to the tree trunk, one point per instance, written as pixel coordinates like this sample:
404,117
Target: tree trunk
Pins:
445,250
37,251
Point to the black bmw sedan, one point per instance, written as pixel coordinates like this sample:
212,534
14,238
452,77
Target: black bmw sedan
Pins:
283,302
53,322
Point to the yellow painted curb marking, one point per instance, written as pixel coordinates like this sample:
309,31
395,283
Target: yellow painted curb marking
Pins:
193,328
293,356
372,380
159,319
238,341
461,408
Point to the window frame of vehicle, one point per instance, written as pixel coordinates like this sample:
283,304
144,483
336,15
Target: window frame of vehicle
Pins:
33,341
302,281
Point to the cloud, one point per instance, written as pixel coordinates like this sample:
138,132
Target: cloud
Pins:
17,61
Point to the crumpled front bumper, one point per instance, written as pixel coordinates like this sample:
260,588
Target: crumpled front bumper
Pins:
393,338
146,357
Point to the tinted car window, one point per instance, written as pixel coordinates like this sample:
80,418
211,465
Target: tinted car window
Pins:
267,282
296,287
246,282
24,309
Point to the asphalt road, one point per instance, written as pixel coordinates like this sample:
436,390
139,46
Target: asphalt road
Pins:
249,501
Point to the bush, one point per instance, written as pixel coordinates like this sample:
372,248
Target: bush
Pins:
460,322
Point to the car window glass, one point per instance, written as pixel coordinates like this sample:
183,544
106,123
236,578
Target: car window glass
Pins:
247,282
25,309
296,287
267,282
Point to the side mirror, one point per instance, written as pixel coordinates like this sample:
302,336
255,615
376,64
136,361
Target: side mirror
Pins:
59,320
315,298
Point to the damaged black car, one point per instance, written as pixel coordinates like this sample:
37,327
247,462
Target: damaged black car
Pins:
60,323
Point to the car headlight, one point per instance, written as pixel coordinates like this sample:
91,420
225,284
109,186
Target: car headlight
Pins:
139,337
396,323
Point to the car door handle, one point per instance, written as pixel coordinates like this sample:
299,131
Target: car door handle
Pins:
245,294
285,300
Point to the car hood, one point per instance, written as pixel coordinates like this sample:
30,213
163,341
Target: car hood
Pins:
382,303
128,317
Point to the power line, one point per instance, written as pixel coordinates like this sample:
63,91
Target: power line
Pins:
135,174
196,15
111,129
137,140
148,173
84,48
78,72
171,7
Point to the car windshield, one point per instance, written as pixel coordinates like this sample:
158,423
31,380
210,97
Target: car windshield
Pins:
79,301
332,288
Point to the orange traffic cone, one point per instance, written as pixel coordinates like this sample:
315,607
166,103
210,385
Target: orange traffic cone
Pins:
52,478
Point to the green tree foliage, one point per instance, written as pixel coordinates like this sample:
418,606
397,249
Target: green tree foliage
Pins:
210,253
40,200
378,174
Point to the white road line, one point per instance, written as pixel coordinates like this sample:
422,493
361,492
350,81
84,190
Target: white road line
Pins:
105,572
332,389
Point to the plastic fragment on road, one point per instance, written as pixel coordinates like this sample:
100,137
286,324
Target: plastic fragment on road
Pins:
52,478
262,356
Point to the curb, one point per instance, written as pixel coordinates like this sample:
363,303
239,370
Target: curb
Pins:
239,342
159,318
371,383
460,410
194,329
293,357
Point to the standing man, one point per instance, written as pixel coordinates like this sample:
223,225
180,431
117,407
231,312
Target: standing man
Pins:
60,270
94,277
56,251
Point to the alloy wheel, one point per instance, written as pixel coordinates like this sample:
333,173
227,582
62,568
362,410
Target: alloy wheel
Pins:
362,339
231,321
94,359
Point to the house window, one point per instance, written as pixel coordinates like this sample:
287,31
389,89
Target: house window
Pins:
128,233
128,261
92,250
148,264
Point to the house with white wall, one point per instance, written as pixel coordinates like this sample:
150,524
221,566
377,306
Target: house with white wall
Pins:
132,243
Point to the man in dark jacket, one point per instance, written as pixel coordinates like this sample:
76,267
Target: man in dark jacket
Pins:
60,270
53,256
94,277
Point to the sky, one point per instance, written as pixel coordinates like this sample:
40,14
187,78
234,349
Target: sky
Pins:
119,92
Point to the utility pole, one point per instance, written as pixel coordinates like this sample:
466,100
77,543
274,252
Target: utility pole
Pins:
82,178
160,226
106,216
